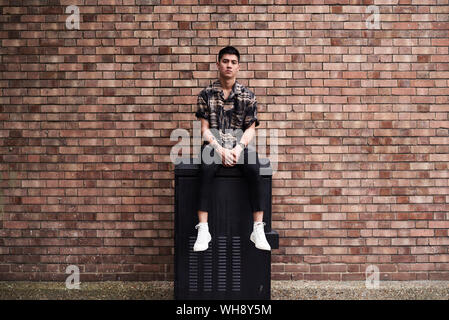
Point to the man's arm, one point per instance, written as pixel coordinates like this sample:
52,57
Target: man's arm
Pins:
209,137
205,132
225,155
250,122
247,136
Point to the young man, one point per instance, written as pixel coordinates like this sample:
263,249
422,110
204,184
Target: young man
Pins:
227,106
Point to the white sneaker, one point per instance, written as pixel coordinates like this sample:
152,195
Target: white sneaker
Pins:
258,236
203,238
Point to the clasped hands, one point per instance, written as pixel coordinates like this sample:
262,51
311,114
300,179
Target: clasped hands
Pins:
229,157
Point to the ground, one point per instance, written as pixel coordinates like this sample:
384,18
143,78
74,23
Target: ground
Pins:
280,290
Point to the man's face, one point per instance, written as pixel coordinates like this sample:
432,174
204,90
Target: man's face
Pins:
228,66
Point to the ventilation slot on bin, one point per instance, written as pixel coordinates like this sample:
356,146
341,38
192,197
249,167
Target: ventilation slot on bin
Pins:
222,264
207,269
193,266
236,264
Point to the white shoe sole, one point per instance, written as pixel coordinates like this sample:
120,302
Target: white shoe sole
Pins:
197,248
258,247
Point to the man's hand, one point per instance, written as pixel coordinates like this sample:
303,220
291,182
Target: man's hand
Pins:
229,157
226,157
236,153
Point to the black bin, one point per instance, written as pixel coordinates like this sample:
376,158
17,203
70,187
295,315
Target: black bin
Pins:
232,267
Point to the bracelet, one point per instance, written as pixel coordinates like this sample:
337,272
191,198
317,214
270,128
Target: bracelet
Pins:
242,145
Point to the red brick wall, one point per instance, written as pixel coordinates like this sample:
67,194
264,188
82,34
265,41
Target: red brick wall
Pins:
86,116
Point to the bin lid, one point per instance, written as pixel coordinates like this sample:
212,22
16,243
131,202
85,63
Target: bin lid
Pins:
187,167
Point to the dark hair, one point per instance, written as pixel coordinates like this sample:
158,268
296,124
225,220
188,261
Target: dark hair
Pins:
228,50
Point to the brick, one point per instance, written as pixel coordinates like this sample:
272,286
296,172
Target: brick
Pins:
361,116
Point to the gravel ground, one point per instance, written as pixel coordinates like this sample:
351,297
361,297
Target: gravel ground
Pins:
357,290
280,290
107,290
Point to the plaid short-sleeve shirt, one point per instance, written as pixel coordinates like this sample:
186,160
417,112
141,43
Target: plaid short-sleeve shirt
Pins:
238,111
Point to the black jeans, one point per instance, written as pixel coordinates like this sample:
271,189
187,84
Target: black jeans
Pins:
248,164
